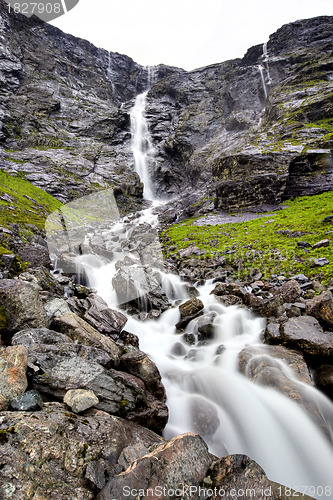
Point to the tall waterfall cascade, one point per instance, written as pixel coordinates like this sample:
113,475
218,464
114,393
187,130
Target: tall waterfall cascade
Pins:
207,392
142,146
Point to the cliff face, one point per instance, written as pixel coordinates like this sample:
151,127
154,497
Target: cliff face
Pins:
231,130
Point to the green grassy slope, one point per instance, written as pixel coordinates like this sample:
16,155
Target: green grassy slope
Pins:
261,243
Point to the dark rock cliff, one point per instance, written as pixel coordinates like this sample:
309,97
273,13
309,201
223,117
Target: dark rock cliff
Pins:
240,131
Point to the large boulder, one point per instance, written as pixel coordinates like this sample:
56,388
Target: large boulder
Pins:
189,310
239,477
286,371
138,288
321,307
117,392
79,330
305,334
21,306
289,291
78,453
234,474
176,465
139,364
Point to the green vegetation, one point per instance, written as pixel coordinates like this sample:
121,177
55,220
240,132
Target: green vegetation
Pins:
266,243
22,203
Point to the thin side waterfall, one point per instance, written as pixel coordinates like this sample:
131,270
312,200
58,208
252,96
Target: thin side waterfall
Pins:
261,70
264,70
109,74
142,147
266,59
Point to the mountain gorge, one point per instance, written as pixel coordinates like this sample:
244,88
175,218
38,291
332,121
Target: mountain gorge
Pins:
265,119
213,328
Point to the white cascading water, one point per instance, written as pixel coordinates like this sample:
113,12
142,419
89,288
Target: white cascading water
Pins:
261,71
264,70
206,392
142,146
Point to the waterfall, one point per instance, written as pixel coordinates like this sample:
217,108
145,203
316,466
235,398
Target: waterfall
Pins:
208,395
142,146
261,70
206,392
266,59
264,70
109,74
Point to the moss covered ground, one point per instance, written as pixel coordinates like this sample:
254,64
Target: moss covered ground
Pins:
268,244
22,203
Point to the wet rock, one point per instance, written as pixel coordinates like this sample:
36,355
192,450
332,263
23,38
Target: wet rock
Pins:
258,363
13,379
171,465
137,287
229,300
77,329
323,377
118,392
204,416
30,401
138,363
91,444
240,473
21,306
189,310
289,291
270,366
153,414
272,307
80,399
205,326
101,317
306,335
321,307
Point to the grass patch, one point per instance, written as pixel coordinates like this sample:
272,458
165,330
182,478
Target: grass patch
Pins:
22,203
260,243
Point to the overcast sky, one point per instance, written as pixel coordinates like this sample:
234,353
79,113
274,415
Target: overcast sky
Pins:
184,33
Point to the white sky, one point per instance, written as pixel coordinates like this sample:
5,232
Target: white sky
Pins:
184,33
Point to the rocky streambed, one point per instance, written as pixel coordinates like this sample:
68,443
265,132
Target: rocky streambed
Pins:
83,408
